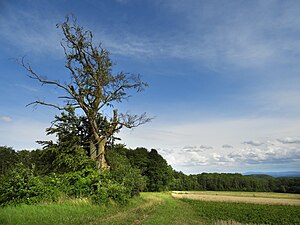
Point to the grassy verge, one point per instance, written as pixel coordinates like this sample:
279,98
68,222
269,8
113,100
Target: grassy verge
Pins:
69,212
64,213
81,212
150,209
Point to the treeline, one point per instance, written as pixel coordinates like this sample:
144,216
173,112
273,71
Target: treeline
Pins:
156,173
32,176
234,182
160,177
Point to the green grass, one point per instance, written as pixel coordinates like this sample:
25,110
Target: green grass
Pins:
65,213
79,212
149,209
173,211
246,213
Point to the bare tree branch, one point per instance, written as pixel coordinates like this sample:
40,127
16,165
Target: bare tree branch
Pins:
92,87
46,104
131,120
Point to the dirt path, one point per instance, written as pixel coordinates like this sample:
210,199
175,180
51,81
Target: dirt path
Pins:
255,200
174,212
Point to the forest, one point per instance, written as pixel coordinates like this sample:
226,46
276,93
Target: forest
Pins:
34,176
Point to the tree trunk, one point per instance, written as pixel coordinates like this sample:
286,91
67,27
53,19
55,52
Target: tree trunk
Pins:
101,157
98,153
93,150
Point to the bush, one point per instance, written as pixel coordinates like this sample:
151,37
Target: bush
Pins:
107,191
81,183
20,185
66,171
98,185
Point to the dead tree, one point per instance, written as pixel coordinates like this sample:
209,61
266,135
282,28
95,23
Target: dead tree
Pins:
92,87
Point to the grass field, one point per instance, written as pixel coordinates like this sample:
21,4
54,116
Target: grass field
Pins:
151,209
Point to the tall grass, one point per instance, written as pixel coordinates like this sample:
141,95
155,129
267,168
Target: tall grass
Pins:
71,212
78,212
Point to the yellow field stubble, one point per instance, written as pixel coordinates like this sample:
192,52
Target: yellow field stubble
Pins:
202,196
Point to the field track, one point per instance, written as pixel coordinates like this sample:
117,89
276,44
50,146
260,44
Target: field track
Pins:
155,209
219,197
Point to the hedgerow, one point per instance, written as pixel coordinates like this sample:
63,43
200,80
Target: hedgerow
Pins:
23,185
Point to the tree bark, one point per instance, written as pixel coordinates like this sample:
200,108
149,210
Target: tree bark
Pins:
98,153
93,150
101,156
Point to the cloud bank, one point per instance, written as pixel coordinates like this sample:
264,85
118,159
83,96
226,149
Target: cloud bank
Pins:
271,152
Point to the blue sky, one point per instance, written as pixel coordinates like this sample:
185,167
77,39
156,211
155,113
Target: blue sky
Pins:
224,76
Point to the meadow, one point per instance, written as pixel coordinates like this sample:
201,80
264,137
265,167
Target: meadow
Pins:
153,208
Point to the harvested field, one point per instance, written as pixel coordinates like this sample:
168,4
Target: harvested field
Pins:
253,198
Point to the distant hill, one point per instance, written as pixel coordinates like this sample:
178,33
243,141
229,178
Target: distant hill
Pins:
259,175
274,174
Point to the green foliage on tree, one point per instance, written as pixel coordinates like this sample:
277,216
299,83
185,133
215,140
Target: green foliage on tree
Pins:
155,169
124,173
8,159
158,172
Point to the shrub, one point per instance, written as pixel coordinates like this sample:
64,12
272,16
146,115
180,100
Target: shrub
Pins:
63,174
20,185
110,190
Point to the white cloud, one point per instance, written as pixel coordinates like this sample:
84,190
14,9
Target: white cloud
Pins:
129,45
6,119
267,155
237,35
289,140
254,143
241,34
270,154
186,159
213,133
181,145
194,148
220,159
227,146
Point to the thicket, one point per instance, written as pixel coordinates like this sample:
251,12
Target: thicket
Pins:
51,174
